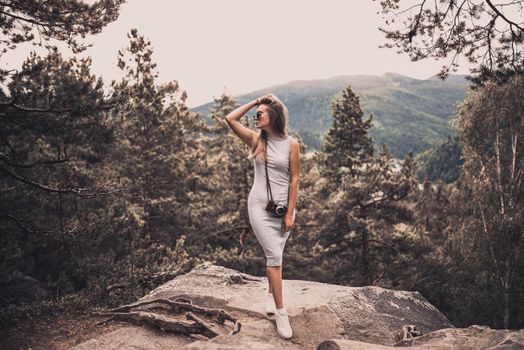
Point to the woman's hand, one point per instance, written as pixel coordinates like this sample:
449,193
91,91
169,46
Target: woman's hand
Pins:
266,99
288,223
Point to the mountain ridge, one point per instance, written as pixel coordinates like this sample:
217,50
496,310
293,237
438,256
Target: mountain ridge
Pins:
409,114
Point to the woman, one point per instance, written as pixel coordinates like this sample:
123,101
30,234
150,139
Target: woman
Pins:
282,169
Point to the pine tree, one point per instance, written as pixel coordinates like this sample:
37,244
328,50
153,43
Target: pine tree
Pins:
54,137
355,202
39,22
346,146
423,29
55,132
228,186
158,147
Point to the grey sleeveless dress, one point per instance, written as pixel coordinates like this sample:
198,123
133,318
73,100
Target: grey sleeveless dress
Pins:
268,228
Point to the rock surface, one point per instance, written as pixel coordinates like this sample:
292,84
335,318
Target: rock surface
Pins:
322,315
472,338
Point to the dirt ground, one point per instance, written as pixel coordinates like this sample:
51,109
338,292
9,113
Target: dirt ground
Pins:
58,332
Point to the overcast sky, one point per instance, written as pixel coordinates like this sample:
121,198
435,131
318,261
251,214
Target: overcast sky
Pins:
237,46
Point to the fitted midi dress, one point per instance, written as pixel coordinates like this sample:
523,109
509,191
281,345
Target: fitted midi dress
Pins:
266,226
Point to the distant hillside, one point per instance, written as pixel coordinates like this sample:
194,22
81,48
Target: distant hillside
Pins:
441,163
409,114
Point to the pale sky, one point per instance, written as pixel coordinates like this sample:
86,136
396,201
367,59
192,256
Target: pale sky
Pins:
237,46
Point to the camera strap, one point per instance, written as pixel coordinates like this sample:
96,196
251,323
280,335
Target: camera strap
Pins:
268,186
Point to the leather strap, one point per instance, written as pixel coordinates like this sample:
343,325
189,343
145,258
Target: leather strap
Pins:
268,186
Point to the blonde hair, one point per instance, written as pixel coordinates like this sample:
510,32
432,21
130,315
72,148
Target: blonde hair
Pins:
278,114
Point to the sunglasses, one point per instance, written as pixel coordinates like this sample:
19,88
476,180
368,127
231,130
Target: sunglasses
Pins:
258,115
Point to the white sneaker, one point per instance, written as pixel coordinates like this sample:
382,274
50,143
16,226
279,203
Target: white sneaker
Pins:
270,304
283,326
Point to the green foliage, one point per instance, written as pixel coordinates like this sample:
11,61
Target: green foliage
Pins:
66,20
87,178
51,151
347,145
482,230
483,32
442,163
54,131
473,269
489,125
229,239
354,203
156,131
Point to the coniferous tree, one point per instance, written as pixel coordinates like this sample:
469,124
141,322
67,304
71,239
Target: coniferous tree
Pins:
158,148
55,132
224,197
66,20
481,31
157,158
355,200
441,164
53,135
346,146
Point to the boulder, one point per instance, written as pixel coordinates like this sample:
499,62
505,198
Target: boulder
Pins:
322,315
472,338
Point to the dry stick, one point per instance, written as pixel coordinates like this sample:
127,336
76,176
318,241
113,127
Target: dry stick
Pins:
242,279
164,323
193,317
181,304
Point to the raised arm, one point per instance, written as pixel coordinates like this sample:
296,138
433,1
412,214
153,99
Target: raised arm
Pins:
233,120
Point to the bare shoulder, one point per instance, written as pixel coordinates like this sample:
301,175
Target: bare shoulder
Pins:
293,142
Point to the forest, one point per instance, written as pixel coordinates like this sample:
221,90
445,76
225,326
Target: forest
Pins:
108,189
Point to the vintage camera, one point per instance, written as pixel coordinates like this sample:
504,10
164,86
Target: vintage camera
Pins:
276,209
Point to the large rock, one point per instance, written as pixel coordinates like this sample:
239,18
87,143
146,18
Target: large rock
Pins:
472,338
338,315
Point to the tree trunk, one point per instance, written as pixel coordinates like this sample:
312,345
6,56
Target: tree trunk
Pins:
365,257
506,308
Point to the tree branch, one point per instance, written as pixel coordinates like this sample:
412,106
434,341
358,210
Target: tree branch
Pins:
80,192
494,8
33,164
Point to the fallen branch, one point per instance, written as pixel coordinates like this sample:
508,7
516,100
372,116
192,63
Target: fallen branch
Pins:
154,278
115,286
163,322
178,306
242,279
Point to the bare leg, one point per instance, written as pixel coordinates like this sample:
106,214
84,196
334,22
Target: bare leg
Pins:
270,289
274,277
